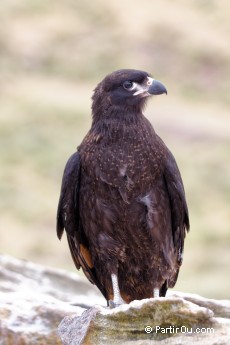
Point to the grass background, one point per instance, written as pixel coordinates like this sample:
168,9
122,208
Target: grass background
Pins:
52,54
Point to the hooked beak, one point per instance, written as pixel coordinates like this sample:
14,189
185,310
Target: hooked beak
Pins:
155,87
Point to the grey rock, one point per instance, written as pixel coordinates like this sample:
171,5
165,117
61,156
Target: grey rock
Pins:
221,308
172,319
34,299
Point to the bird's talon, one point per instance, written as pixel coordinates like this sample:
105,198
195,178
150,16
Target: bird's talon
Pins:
113,305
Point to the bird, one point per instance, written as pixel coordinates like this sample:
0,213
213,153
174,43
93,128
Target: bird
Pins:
122,202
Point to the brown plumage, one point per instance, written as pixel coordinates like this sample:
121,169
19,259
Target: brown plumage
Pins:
122,199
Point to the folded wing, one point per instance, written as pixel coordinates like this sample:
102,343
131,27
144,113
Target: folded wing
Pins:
178,205
68,218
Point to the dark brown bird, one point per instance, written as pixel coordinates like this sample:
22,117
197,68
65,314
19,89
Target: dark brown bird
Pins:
122,199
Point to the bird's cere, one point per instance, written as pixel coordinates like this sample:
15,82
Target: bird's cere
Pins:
149,81
143,88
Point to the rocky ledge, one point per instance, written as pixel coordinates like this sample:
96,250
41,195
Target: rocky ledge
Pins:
34,299
173,319
43,306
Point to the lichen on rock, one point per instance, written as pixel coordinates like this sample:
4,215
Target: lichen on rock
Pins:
99,325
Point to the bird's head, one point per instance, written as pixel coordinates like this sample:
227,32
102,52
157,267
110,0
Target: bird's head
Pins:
125,89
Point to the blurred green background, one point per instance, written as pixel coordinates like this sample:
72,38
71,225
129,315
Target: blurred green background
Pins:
52,55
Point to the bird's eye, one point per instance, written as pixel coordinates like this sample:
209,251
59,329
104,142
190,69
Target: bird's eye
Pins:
128,85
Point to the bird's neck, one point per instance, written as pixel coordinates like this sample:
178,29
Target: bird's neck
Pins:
117,125
124,115
116,122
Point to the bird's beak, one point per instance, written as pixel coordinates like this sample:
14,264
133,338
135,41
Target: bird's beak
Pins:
151,87
155,87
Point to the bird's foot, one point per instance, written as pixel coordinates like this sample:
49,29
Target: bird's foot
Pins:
112,304
115,304
117,299
156,293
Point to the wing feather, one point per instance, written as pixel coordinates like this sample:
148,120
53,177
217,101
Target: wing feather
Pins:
67,213
179,209
68,218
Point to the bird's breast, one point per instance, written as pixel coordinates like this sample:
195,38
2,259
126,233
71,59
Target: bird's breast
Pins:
130,165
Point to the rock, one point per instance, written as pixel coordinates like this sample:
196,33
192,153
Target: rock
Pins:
173,319
220,308
34,299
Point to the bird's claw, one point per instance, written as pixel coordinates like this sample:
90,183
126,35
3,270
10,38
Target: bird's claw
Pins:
113,305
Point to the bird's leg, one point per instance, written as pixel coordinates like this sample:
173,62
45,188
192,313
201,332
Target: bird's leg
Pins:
117,299
156,293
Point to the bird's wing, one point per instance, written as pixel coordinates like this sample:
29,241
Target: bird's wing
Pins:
68,218
178,205
67,213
